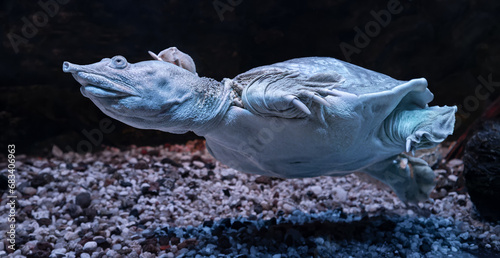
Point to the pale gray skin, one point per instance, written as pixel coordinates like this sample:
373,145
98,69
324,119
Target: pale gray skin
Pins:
305,117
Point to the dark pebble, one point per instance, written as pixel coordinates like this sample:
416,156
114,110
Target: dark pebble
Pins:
175,240
134,212
116,231
226,192
39,253
310,194
228,177
226,222
223,242
141,165
252,217
426,245
258,208
62,189
163,240
154,152
208,223
42,179
44,222
44,246
171,162
80,168
42,249
153,189
182,245
217,231
191,241
148,233
99,239
83,199
263,180
193,185
146,220
90,213
102,242
237,225
125,183
4,182
124,251
152,248
111,170
74,210
21,240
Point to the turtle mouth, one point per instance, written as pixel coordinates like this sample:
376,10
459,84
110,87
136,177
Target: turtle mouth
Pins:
100,86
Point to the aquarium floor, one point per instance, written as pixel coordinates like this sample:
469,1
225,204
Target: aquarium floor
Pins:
178,201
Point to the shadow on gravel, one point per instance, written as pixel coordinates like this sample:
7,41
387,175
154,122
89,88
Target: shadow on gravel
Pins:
333,233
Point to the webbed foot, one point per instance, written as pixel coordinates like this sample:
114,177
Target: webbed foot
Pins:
411,178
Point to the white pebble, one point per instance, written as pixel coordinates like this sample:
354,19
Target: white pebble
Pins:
316,189
340,193
198,164
288,208
90,246
70,236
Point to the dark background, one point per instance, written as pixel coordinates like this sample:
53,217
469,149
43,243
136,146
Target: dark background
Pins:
450,42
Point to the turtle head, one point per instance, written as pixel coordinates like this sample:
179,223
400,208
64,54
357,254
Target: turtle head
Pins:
149,94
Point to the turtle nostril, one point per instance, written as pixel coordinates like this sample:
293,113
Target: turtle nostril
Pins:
66,67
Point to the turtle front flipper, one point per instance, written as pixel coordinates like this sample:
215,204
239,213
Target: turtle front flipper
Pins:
289,94
411,178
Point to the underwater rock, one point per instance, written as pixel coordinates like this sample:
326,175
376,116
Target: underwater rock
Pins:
482,169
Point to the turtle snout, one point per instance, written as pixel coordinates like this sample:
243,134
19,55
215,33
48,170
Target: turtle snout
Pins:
74,70
70,68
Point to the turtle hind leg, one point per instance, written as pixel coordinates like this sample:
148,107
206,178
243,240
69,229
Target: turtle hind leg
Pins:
411,178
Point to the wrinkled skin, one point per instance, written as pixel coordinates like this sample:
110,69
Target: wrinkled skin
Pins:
304,117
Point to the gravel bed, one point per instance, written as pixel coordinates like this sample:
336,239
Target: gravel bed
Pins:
178,201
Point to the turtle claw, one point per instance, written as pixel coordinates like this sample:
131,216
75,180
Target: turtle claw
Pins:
315,98
154,56
327,92
408,145
299,105
321,101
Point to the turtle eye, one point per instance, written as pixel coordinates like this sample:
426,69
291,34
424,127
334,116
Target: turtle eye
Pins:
119,62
